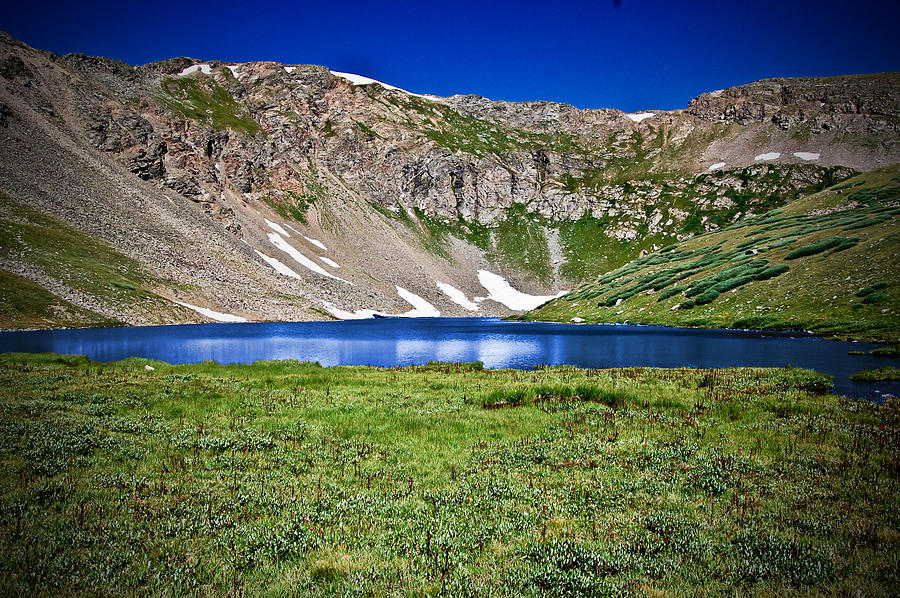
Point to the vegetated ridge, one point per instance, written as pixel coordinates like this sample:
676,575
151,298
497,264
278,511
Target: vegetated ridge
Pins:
827,263
185,190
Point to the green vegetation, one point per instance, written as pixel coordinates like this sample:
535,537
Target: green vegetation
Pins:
520,241
25,304
291,206
773,272
286,478
78,261
870,289
893,351
883,373
202,99
820,246
740,276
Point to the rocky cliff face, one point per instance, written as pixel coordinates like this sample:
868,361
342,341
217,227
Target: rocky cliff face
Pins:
224,182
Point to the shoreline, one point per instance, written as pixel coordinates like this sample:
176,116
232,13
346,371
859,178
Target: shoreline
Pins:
844,337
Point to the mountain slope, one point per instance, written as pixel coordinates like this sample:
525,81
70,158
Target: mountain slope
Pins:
273,192
826,263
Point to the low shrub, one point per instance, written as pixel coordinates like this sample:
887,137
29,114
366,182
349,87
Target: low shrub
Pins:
886,351
732,283
670,293
772,272
817,247
705,297
868,290
846,245
867,222
873,298
886,373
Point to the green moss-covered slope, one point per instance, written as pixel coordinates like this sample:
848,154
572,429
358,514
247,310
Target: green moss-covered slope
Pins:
827,262
61,257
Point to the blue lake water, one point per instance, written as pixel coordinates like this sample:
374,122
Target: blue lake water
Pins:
497,343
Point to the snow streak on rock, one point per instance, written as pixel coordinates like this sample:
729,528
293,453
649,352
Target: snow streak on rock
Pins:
212,315
502,292
456,296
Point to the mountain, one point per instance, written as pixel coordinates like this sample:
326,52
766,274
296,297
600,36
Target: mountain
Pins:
184,190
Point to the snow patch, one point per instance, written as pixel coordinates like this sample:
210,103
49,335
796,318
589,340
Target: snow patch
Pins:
717,166
293,229
331,263
360,80
318,244
235,69
212,315
279,266
301,259
768,156
456,296
638,117
421,307
290,69
203,68
502,292
342,314
807,155
277,228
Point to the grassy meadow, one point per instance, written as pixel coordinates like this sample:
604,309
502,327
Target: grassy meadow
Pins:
286,478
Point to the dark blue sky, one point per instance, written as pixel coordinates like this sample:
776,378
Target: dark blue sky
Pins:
630,54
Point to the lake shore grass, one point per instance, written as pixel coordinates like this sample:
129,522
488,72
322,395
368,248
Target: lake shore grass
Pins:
285,478
877,375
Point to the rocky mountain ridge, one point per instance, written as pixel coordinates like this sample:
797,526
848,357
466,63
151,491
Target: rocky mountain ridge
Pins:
224,182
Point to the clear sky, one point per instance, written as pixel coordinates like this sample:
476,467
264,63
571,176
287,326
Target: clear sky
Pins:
626,54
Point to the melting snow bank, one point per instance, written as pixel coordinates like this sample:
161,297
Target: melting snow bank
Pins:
331,263
639,117
456,296
203,68
717,166
359,314
421,308
276,227
318,244
301,259
768,156
360,80
278,265
807,155
500,291
212,315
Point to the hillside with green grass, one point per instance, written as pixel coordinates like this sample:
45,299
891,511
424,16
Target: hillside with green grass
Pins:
287,478
827,262
69,265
